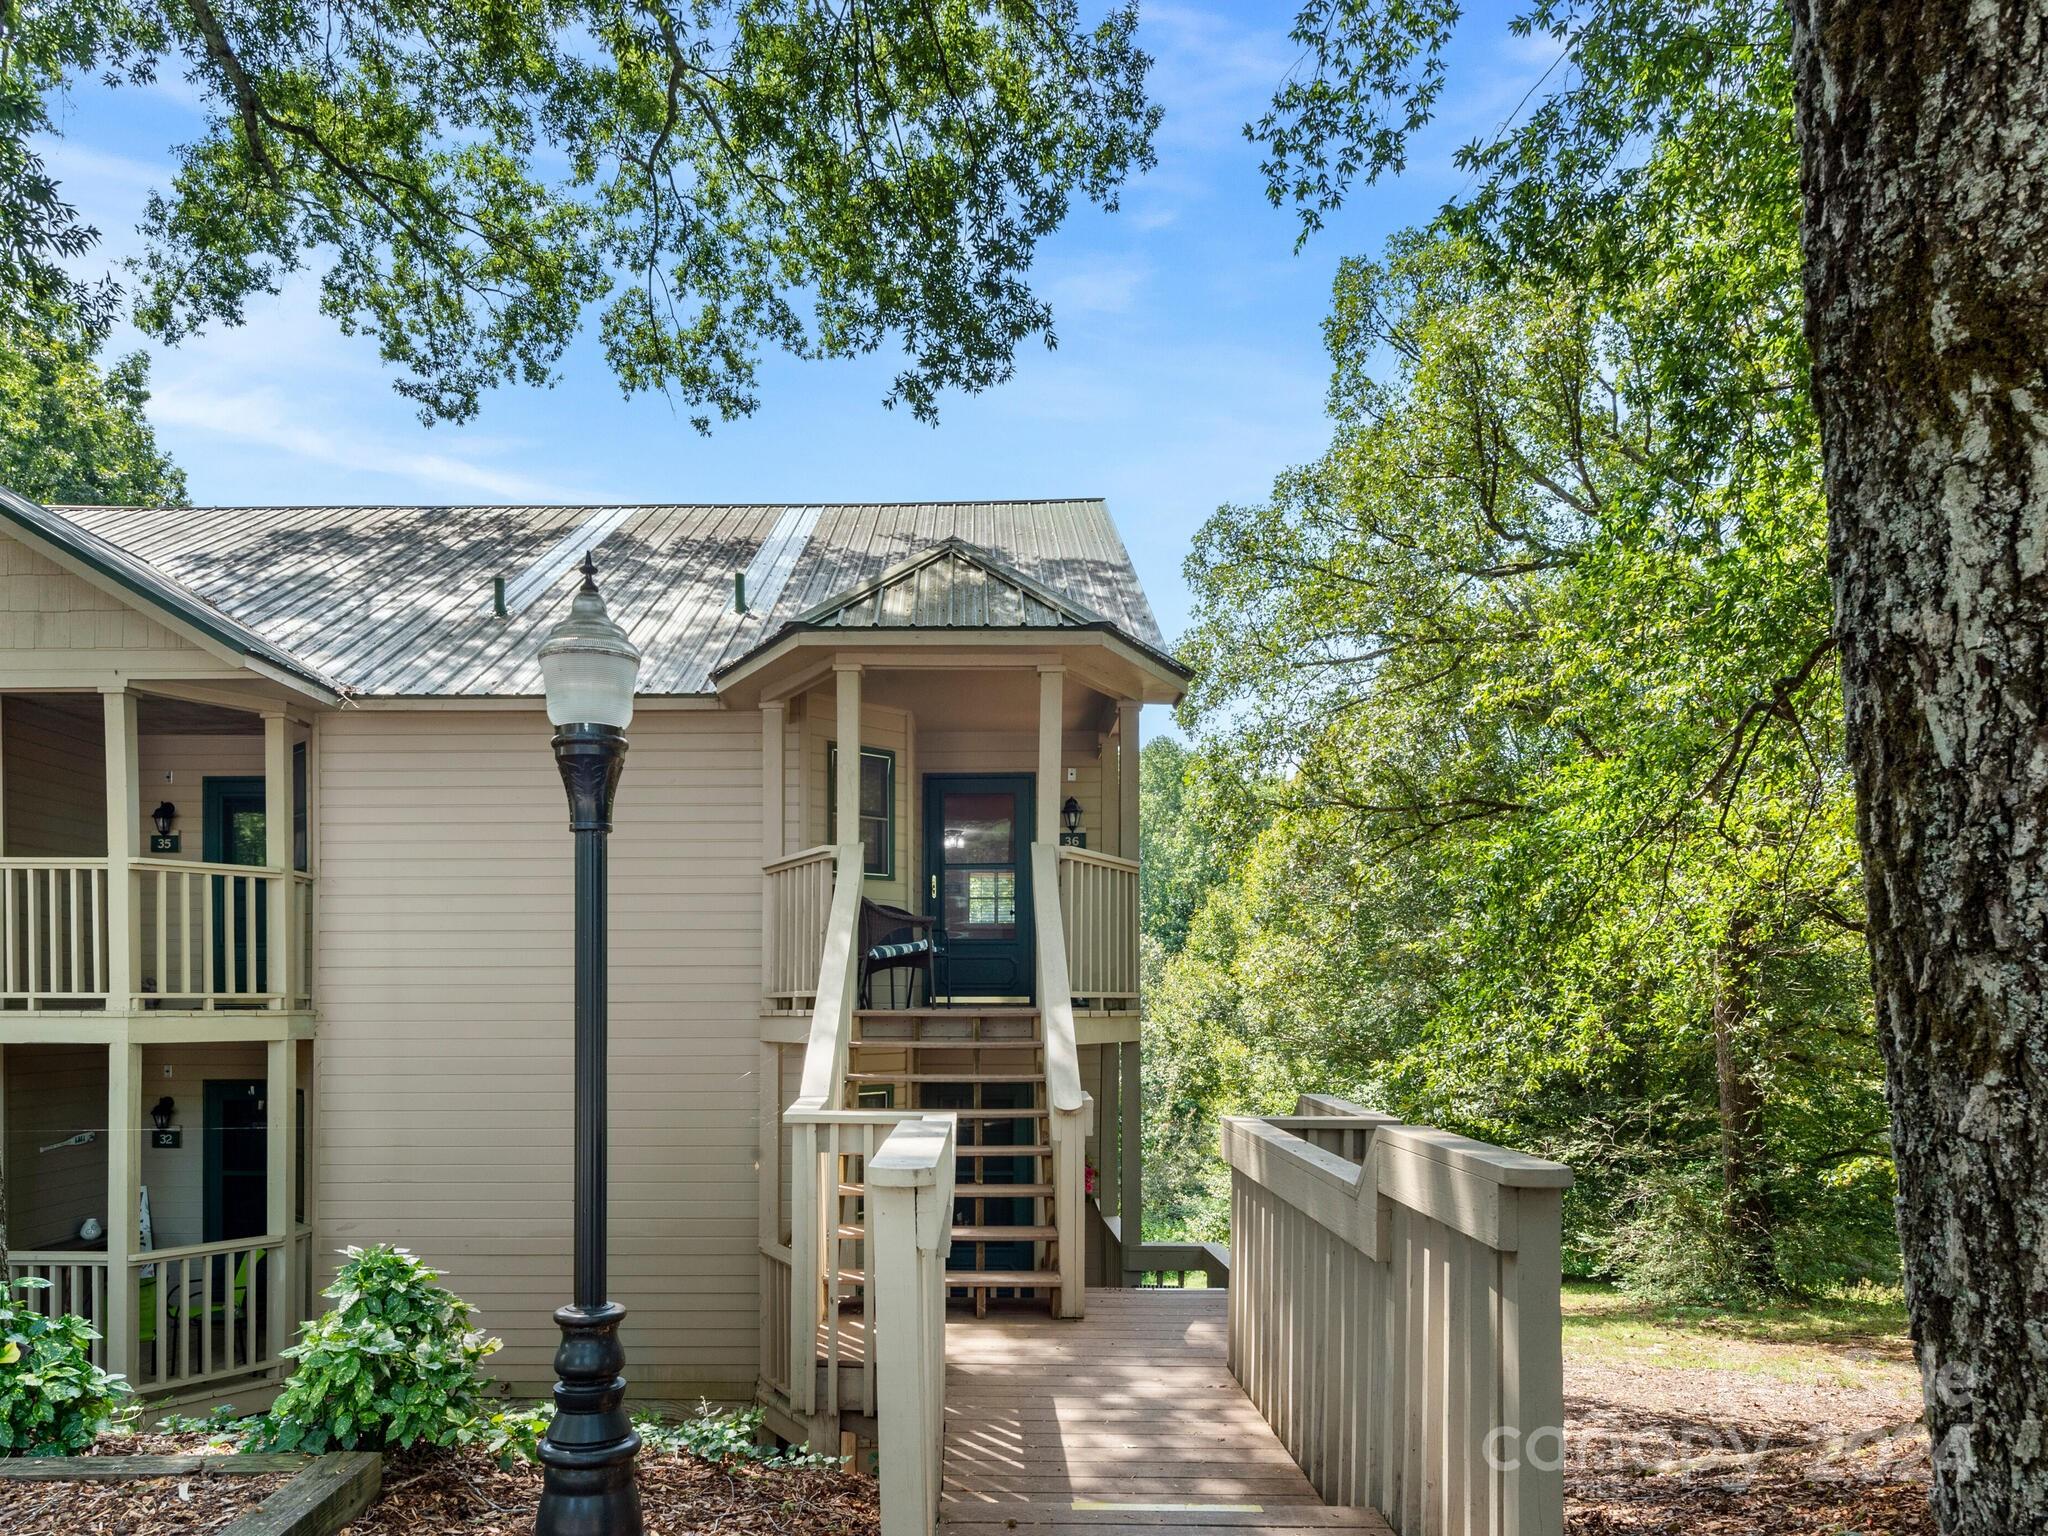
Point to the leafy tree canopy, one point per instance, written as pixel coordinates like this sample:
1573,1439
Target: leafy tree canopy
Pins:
712,179
1528,683
72,428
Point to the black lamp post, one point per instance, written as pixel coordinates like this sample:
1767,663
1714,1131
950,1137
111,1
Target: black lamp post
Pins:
588,667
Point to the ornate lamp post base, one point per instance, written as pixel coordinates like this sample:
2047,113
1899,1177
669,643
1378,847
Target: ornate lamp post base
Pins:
587,1453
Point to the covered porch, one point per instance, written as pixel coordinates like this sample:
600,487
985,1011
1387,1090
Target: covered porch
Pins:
160,1183
156,853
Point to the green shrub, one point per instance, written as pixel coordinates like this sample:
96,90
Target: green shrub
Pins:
393,1364
53,1400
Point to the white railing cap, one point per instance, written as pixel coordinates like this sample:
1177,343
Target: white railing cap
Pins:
914,1153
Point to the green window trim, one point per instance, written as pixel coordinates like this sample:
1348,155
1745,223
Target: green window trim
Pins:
884,760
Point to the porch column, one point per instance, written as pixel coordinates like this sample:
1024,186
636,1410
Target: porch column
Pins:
282,952
1127,711
124,843
846,787
772,791
1052,686
1129,1101
281,1165
124,1179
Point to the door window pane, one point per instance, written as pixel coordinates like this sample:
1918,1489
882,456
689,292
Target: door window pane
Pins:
247,839
981,903
980,829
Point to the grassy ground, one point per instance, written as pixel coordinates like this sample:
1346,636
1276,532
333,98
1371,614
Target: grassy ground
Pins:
1856,1340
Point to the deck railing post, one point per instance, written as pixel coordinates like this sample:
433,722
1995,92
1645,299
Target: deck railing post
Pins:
910,1205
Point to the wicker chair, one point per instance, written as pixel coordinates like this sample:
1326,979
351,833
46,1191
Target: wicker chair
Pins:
893,939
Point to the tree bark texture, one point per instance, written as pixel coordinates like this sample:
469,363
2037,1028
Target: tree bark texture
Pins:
1924,160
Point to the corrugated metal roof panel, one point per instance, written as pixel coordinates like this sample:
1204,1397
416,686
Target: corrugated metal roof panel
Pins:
397,600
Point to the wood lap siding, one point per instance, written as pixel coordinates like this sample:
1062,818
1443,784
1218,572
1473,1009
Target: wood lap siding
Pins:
54,1092
55,778
445,969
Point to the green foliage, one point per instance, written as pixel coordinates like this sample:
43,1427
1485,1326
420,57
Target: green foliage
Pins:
723,1437
707,180
71,428
711,1434
393,1364
1518,708
53,1400
222,1426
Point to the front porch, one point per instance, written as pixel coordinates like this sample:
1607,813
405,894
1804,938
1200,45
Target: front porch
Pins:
156,1027
190,1247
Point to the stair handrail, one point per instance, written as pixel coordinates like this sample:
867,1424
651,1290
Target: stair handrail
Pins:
831,1038
1055,990
1071,1104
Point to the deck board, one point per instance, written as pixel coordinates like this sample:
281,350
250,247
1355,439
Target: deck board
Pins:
1128,1419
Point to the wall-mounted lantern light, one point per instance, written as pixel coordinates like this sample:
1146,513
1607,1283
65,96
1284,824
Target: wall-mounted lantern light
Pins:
160,1113
165,816
1070,814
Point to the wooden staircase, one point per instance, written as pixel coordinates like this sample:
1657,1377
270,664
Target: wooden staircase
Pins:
986,1064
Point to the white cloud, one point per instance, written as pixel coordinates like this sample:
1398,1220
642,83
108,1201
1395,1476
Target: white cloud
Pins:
1096,284
262,418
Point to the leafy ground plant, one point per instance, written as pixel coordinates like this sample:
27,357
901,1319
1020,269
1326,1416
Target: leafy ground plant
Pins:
725,1437
53,1400
394,1364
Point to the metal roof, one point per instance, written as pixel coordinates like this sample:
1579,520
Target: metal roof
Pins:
116,564
954,585
398,600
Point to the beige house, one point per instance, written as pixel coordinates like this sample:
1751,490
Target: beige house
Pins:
285,965
329,1002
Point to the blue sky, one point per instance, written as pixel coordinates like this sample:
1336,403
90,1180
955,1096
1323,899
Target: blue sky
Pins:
1189,369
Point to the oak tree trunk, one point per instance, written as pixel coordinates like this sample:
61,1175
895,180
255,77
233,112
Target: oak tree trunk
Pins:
1924,162
1745,1159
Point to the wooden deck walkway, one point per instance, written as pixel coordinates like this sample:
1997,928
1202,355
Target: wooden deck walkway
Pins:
1126,1420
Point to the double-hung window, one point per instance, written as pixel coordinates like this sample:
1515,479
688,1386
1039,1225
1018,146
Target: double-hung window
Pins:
877,807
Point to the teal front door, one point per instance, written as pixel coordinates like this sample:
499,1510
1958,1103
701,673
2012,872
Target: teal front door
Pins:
236,833
978,879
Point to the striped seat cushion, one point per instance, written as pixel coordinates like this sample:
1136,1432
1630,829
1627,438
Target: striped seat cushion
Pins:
900,951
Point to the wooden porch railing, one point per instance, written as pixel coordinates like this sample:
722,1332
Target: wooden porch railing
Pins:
1099,919
799,903
77,1284
1394,1315
53,932
206,933
910,1217
830,1243
201,1312
202,935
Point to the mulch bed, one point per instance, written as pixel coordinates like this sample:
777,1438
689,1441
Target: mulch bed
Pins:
466,1493
196,1504
1677,1452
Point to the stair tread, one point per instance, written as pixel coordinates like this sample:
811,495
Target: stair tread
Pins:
964,1011
1015,1279
1030,1149
1001,1191
853,1232
946,1043
945,1077
975,1191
